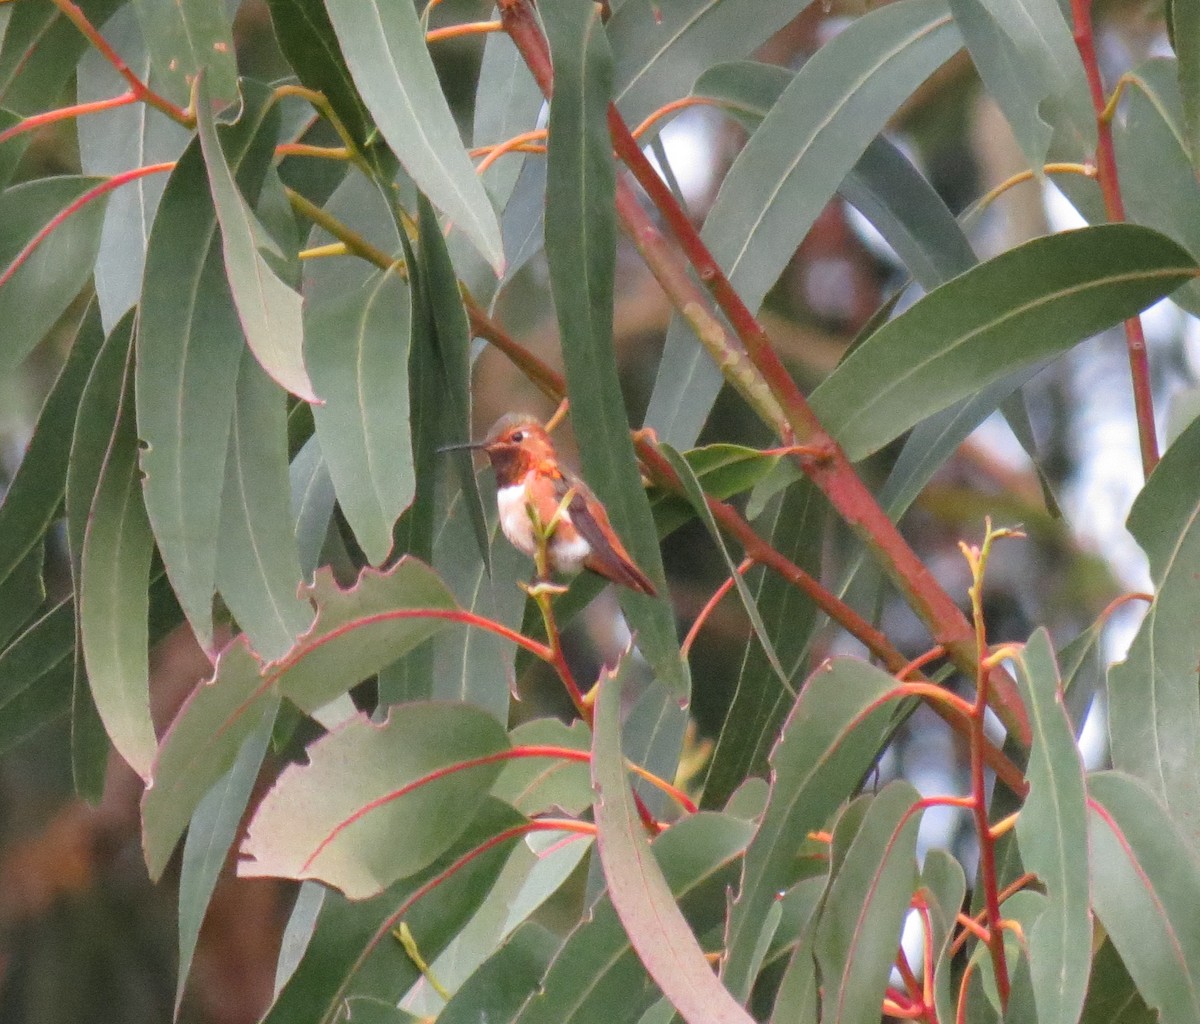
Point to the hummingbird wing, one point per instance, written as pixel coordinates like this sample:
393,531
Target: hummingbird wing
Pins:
608,557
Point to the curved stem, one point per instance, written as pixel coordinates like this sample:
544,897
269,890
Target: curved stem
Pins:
75,15
35,121
471,28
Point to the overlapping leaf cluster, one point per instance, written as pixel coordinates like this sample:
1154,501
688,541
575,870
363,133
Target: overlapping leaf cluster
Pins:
242,443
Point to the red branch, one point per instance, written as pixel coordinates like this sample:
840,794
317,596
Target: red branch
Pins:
1114,207
35,121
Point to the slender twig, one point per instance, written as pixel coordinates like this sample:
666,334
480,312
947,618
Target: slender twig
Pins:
1114,206
670,108
317,152
717,596
35,121
992,194
471,28
507,146
75,15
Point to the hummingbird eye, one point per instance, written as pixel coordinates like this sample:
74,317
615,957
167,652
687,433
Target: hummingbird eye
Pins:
518,436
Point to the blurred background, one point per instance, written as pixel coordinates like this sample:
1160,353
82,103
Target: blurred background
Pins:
84,936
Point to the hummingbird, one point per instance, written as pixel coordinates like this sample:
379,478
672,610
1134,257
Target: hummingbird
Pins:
529,476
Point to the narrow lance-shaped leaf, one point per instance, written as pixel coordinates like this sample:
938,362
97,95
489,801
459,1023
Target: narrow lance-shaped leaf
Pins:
357,345
658,48
821,756
1026,55
269,310
210,835
113,141
639,892
40,272
307,40
36,671
1052,835
580,247
1184,20
384,46
864,909
452,335
113,595
1144,882
596,975
337,818
695,495
258,567
1153,713
838,102
189,347
507,102
35,492
1028,304
356,633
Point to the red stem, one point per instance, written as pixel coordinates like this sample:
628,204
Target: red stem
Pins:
115,181
143,92
35,121
1114,206
987,842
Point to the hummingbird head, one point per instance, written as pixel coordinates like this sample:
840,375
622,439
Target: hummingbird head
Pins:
515,444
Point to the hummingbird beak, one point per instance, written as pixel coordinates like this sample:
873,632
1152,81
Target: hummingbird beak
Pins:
465,446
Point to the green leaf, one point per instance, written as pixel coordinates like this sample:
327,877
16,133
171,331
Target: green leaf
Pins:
1052,835
258,567
883,185
39,51
1027,58
596,975
114,576
695,495
533,785
639,892
507,102
34,495
580,247
113,141
1028,304
825,749
189,346
944,886
838,102
269,310
475,665
210,835
95,419
353,955
40,272
1184,19
312,504
452,337
306,37
13,149
356,346
1158,181
36,672
384,46
760,703
864,910
1112,996
356,633
337,817
1144,882
497,990
185,38
659,48
1153,714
